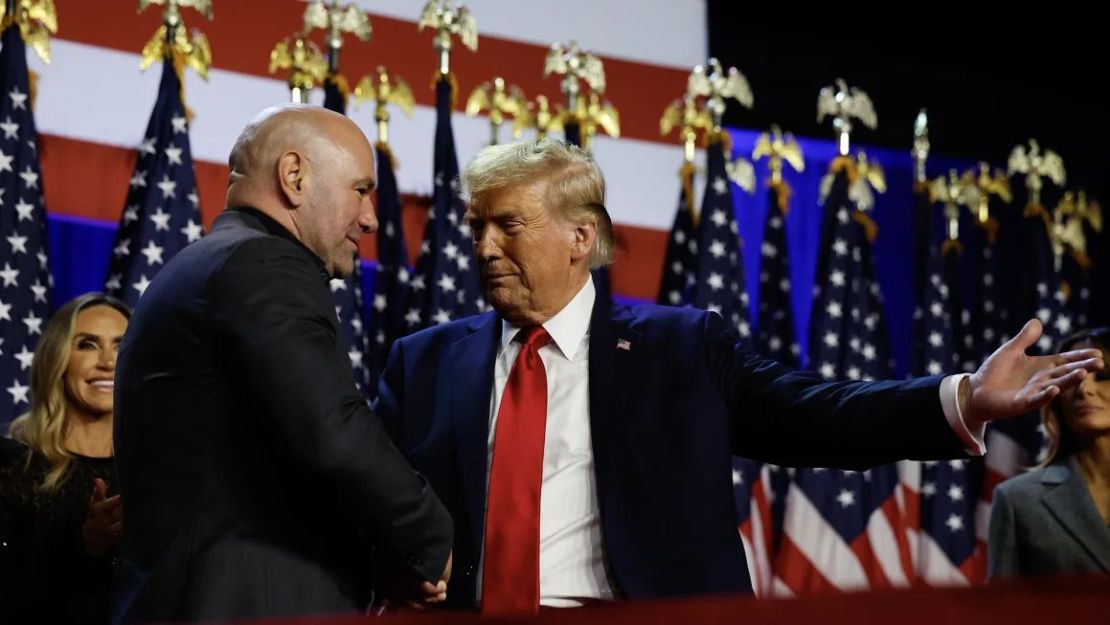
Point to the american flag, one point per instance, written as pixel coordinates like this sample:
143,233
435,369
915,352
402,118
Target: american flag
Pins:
842,529
1075,275
934,353
445,286
1012,445
719,286
753,489
1053,307
761,489
774,320
680,262
847,333
946,550
347,294
27,283
391,284
161,215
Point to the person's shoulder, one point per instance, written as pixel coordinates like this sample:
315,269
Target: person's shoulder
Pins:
261,260
11,452
447,333
21,470
654,319
253,246
1028,484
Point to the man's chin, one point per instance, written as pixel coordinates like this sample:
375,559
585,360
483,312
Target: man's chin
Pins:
342,272
500,300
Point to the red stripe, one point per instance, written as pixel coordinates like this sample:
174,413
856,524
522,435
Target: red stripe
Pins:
797,572
85,179
899,525
876,578
975,567
991,479
244,32
761,506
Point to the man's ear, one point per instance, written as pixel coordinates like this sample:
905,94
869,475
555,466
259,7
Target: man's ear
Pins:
585,234
292,170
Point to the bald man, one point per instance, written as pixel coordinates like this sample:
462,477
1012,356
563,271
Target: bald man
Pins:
256,481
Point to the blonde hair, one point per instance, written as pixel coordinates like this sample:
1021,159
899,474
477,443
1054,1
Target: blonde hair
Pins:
43,427
576,189
1062,441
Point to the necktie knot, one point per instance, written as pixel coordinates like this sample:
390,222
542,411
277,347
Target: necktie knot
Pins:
533,336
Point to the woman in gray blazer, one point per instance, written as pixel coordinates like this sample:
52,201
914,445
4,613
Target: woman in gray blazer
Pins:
1054,519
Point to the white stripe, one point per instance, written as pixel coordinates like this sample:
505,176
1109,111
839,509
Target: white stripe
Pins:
820,543
935,567
753,569
98,95
912,538
909,489
885,547
780,589
761,537
1005,456
909,474
982,519
660,32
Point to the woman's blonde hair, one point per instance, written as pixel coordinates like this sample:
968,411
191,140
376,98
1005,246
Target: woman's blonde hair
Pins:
43,427
576,191
1062,441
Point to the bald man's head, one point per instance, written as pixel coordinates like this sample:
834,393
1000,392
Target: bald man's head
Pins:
312,170
277,129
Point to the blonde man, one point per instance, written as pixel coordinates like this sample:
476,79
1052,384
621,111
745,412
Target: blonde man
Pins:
583,447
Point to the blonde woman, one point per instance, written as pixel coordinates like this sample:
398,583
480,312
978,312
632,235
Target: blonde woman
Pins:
63,516
1056,518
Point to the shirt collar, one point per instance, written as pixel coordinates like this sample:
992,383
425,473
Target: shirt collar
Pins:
567,328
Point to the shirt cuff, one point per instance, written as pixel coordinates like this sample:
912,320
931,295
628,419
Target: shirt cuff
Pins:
954,391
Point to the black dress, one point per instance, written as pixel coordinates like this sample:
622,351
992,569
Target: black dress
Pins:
45,574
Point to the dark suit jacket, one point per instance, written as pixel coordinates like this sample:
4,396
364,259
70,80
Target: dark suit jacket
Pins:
253,475
1045,521
665,415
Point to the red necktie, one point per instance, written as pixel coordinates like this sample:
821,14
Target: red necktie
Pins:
511,576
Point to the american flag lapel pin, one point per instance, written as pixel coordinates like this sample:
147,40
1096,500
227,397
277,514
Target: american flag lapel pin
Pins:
624,344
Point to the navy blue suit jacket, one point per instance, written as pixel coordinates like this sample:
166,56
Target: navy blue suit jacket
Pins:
667,410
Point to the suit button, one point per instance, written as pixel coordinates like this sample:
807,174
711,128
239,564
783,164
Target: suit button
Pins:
469,571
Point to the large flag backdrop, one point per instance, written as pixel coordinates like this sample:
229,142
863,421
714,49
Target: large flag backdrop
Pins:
91,128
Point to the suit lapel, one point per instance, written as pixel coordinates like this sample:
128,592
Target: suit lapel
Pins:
470,380
1071,504
613,358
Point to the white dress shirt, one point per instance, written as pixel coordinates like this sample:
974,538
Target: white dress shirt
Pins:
572,555
572,558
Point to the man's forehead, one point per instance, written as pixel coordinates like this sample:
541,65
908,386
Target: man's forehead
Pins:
524,195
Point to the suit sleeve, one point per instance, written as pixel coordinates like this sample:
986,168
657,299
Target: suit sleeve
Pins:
795,418
1002,554
278,327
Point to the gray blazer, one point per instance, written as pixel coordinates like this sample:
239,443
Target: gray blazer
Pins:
1046,522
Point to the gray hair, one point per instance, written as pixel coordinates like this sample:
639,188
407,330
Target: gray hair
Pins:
576,190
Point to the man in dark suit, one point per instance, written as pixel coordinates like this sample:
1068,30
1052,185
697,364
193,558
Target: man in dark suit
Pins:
583,448
256,479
